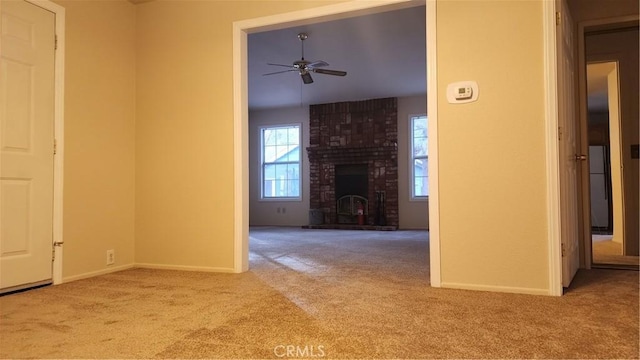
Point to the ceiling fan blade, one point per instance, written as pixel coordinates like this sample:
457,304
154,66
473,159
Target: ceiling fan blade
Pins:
279,72
280,65
305,67
316,64
306,78
330,72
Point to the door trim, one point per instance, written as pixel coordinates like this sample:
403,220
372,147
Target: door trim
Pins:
58,159
552,151
583,26
241,117
433,165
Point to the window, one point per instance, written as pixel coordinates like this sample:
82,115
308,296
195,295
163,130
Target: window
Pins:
281,162
419,157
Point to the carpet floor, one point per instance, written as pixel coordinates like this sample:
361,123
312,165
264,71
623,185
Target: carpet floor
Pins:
319,294
610,252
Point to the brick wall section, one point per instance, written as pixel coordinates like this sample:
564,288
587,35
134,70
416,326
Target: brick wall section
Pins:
355,132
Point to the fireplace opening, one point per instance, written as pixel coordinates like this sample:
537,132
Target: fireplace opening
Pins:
351,189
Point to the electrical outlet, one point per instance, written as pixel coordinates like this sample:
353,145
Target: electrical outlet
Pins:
284,210
111,257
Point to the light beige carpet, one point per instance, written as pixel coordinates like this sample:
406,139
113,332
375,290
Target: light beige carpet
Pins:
321,294
606,251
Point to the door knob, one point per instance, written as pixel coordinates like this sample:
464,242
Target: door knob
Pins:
580,157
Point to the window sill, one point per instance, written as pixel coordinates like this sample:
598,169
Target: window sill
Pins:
282,199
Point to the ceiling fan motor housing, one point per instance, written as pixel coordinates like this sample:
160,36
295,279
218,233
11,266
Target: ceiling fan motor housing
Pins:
300,64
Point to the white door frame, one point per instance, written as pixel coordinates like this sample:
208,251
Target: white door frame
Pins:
583,26
58,159
241,117
552,150
433,163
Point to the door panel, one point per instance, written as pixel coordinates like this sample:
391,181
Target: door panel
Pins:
567,145
26,143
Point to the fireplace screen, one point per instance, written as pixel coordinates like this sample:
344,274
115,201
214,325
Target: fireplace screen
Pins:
349,207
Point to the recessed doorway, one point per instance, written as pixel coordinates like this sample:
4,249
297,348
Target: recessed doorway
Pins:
611,68
284,210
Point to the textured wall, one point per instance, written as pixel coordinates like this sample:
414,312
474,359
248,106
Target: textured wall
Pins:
99,163
493,214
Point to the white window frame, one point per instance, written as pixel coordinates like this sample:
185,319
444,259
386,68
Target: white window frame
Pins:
412,175
261,130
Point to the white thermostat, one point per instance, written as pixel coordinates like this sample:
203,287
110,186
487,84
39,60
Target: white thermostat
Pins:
462,92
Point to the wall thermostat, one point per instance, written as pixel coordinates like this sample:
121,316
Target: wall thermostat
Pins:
462,92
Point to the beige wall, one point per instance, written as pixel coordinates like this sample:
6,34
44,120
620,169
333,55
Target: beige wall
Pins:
184,129
414,214
493,229
582,10
492,182
99,173
274,212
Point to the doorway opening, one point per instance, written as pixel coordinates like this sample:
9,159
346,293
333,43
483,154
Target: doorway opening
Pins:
610,123
242,171
345,149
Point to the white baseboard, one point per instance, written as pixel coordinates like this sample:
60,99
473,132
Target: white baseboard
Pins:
145,266
184,268
496,288
110,269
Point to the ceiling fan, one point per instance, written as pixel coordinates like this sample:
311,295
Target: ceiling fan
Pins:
305,67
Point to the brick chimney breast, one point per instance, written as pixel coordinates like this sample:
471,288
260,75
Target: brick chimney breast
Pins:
354,133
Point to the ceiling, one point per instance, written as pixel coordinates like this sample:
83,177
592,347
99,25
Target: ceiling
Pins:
383,54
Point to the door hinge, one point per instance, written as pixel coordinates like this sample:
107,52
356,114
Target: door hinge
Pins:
55,42
559,132
557,18
53,249
563,251
55,146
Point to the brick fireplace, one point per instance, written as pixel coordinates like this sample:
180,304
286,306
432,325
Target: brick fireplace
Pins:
355,142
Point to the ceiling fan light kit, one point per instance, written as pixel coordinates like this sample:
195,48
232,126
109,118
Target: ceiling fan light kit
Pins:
305,67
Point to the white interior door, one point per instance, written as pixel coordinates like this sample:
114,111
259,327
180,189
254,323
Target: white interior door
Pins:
568,144
26,143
